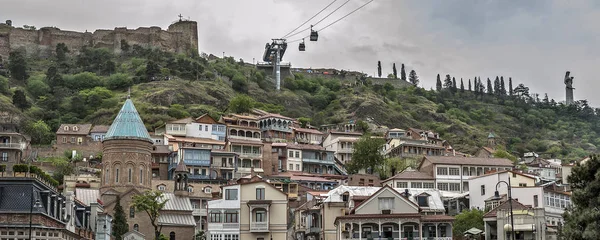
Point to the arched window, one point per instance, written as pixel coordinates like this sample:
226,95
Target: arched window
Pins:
131,212
190,189
129,175
107,176
136,227
117,175
161,187
172,236
141,175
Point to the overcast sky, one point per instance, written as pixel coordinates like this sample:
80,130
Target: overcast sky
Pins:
533,41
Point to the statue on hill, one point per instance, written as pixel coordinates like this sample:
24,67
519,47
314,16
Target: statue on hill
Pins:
569,88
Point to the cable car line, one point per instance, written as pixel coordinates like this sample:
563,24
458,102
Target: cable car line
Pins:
332,22
319,20
310,18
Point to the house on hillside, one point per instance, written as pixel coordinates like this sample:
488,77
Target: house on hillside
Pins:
73,134
489,150
13,145
98,132
342,144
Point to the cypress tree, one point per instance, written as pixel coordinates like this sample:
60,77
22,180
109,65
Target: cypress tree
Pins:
395,71
490,89
19,100
497,86
453,84
510,88
438,84
469,84
119,224
462,85
502,86
402,73
379,68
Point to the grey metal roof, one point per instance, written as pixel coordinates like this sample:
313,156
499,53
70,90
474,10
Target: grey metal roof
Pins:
170,219
128,125
17,198
87,196
175,203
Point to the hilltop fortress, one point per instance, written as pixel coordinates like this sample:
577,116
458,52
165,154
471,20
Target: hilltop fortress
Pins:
181,37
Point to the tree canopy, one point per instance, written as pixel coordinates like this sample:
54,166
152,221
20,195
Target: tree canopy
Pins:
582,218
367,154
151,202
119,223
467,219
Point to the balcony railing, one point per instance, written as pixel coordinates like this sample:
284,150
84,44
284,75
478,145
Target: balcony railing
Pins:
199,212
224,226
12,146
204,163
345,150
404,238
318,161
201,177
259,227
249,154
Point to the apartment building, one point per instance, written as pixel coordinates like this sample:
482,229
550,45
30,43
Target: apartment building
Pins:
342,144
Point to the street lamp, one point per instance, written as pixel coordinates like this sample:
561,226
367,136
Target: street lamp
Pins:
497,197
35,204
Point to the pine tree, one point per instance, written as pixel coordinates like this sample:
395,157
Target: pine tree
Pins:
413,78
17,65
490,89
379,68
453,85
395,71
502,87
448,82
546,100
438,84
497,86
469,84
402,73
19,100
582,218
510,88
119,223
462,85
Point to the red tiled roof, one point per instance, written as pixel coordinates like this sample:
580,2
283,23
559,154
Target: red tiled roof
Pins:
470,161
490,150
346,133
183,120
435,218
305,146
312,179
504,171
82,129
308,130
233,140
100,129
275,115
397,215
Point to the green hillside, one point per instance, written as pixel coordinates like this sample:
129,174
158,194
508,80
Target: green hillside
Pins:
91,86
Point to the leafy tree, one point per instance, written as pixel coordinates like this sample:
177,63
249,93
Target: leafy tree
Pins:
53,78
239,83
83,80
438,85
391,76
61,52
448,82
395,71
413,78
521,91
362,126
17,64
3,85
37,86
582,218
177,111
241,104
119,81
501,153
151,202
119,223
152,69
466,220
64,168
402,73
510,88
39,131
367,154
379,68
304,121
125,46
200,235
19,100
490,89
462,85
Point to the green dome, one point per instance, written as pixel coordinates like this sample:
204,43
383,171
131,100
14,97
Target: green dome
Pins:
128,125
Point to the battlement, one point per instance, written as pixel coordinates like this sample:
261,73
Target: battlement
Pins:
181,37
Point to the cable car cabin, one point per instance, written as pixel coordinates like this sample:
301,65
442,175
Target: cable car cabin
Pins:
314,35
302,47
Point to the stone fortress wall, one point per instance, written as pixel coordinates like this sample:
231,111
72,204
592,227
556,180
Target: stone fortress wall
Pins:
180,37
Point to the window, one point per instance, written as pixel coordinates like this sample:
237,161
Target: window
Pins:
136,227
132,212
260,194
161,187
4,156
141,176
291,154
422,201
75,128
386,203
172,236
442,186
442,171
129,175
454,187
72,139
297,154
231,217
207,190
514,175
231,194
64,140
454,171
535,200
260,216
107,177
206,128
215,217
297,167
428,185
79,141
291,167
522,184
401,185
117,175
66,128
190,189
482,190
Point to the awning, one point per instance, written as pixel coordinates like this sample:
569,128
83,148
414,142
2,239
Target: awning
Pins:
520,227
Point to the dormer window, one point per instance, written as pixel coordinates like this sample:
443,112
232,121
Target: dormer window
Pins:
190,189
161,187
423,200
207,190
75,128
66,128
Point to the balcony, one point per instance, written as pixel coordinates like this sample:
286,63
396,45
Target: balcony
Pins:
199,212
258,140
16,146
204,163
249,155
345,150
259,227
224,226
155,165
318,161
199,177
